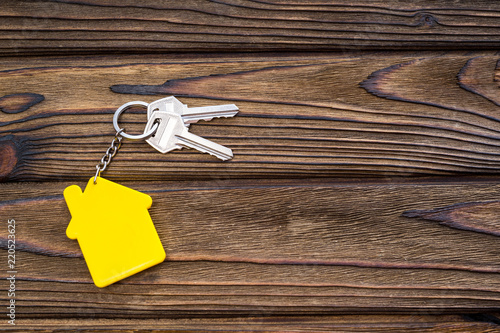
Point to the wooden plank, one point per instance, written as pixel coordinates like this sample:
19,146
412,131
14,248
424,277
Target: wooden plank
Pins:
309,115
304,247
423,323
91,26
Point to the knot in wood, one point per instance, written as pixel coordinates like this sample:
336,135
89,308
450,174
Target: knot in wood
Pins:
426,20
16,103
9,158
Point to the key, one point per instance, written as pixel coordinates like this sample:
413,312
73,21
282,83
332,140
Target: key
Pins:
191,115
173,134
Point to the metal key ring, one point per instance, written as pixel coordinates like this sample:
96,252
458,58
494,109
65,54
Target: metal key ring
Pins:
120,110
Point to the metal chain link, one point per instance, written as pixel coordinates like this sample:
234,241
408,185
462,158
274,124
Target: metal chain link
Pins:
110,153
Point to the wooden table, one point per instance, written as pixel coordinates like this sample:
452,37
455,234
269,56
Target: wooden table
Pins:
363,194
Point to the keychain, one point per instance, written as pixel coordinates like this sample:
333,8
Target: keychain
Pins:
117,243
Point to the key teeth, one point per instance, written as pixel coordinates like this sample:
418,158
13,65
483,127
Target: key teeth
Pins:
192,119
228,116
208,119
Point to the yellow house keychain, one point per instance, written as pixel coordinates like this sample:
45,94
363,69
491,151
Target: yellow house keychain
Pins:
117,243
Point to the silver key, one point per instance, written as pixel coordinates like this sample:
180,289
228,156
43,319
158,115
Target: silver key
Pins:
191,115
173,134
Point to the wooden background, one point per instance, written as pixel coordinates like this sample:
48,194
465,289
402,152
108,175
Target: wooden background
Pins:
363,195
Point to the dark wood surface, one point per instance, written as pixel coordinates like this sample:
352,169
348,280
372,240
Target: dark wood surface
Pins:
363,194
376,114
92,26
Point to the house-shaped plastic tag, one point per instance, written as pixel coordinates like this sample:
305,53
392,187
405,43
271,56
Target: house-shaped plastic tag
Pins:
114,230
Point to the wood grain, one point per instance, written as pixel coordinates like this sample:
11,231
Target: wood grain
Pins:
70,26
15,103
473,216
363,195
473,323
480,76
274,247
311,115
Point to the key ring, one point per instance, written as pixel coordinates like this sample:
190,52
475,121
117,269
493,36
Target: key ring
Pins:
120,134
120,110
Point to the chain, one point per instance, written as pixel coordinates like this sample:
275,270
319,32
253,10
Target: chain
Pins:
110,153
